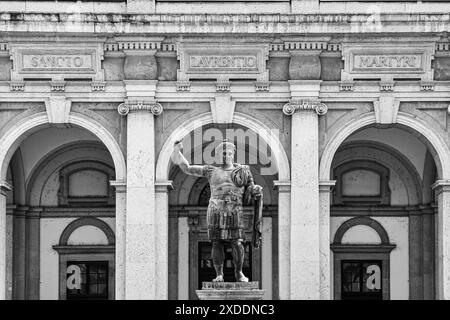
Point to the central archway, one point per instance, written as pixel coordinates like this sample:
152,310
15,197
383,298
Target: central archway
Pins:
163,166
268,135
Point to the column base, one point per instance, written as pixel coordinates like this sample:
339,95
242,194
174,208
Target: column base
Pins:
230,291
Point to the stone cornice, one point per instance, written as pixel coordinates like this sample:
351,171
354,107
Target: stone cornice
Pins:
304,105
441,186
163,186
5,187
90,23
326,186
282,186
121,186
140,105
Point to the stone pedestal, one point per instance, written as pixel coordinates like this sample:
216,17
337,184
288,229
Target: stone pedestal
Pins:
230,291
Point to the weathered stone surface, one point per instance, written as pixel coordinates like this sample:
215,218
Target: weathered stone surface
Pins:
167,68
210,285
140,68
330,68
230,291
442,68
113,69
304,67
5,67
278,69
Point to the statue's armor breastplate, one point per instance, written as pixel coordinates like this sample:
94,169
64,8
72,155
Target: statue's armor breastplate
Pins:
225,215
223,188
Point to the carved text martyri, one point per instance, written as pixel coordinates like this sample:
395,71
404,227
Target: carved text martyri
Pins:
388,61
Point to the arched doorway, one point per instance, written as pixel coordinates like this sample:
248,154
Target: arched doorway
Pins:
53,180
387,173
187,212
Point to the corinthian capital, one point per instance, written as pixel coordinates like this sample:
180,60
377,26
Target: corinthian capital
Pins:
140,105
294,105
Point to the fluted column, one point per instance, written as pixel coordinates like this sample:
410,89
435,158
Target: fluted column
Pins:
305,212
141,241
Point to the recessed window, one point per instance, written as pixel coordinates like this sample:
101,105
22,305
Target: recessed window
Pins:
88,183
361,280
87,280
360,183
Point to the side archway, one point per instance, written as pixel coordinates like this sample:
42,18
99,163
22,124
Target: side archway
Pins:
433,140
15,135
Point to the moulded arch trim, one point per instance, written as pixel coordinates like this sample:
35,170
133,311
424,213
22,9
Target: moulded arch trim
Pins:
47,165
281,159
13,135
358,221
87,221
384,150
405,119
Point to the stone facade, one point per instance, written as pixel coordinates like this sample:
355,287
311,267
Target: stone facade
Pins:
351,103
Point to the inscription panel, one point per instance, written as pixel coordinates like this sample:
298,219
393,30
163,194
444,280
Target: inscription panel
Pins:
57,61
387,61
53,62
222,61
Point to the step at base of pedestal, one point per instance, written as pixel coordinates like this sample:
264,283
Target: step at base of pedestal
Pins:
230,291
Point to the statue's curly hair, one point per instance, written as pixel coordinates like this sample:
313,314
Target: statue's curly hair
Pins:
224,145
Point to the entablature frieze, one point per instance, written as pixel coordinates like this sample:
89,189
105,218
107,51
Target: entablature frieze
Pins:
228,23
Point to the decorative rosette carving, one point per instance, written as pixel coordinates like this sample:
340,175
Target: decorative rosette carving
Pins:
321,109
123,109
157,109
289,109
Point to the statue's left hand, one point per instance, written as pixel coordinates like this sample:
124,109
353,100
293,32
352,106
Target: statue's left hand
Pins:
257,189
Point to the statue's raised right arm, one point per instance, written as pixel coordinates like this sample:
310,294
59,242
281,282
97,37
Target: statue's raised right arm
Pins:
182,162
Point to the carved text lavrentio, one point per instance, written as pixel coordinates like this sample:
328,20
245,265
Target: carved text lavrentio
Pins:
223,62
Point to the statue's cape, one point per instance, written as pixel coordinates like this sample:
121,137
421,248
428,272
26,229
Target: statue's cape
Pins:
242,177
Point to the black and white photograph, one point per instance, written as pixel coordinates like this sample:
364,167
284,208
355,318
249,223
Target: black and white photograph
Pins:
220,156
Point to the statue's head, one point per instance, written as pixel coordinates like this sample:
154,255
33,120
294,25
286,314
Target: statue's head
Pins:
227,149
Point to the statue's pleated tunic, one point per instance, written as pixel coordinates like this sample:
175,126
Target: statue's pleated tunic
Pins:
225,216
